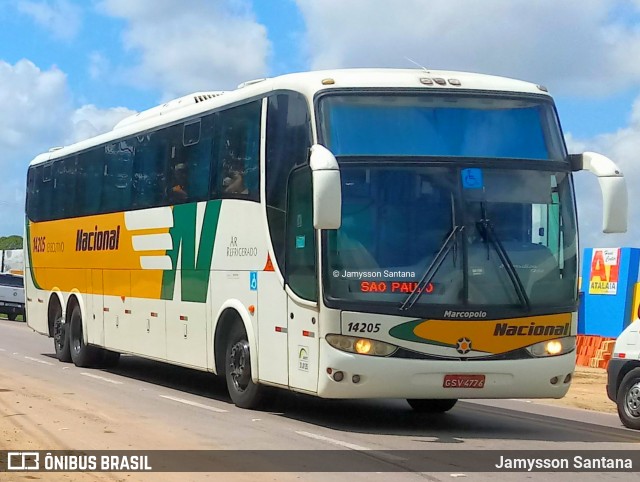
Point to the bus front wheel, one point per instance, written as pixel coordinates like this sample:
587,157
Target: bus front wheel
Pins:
424,405
629,399
243,391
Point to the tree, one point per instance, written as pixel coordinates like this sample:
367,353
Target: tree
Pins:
10,242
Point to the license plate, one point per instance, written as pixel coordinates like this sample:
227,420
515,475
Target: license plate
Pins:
463,381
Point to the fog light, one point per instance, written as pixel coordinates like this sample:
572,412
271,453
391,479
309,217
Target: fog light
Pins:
567,379
355,379
363,346
338,376
554,380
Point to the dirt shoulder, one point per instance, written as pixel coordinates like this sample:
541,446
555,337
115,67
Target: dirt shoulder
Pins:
588,391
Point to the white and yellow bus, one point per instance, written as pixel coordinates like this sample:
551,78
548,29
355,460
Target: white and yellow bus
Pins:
346,234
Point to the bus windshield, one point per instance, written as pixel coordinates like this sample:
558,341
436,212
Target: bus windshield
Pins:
507,238
500,235
451,125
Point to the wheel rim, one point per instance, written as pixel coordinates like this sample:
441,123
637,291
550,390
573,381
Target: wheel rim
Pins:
632,405
240,365
58,333
76,336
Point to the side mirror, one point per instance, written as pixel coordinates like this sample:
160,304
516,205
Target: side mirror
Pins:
612,185
327,189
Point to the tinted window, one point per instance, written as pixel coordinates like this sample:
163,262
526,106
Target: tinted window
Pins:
288,143
300,237
90,170
190,162
64,188
118,174
14,281
447,125
237,151
149,169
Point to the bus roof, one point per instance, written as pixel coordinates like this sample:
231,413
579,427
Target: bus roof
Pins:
308,83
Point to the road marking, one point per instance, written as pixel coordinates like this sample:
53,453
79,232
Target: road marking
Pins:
332,441
2,349
38,361
194,404
379,453
98,377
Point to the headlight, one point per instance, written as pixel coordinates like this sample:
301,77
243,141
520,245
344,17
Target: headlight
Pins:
361,346
556,347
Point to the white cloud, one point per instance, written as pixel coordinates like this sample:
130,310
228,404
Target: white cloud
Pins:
89,121
98,65
623,147
573,46
38,113
191,45
33,103
61,17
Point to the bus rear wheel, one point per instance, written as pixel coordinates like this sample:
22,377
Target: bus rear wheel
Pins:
61,336
425,405
82,355
628,400
243,391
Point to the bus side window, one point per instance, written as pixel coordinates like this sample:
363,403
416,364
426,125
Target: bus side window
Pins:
149,178
64,188
237,151
300,255
89,182
196,155
118,171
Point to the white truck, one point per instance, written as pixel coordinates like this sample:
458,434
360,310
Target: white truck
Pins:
12,296
623,375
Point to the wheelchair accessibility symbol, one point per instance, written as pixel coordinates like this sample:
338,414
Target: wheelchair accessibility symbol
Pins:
253,280
472,178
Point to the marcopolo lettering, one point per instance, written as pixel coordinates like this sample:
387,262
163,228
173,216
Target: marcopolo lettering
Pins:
465,314
98,240
505,329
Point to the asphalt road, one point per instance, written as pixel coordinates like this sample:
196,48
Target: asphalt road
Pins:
146,405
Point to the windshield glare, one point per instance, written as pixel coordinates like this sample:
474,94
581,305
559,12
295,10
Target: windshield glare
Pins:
396,219
449,125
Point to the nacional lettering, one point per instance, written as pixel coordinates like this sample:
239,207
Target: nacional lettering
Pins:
505,329
98,240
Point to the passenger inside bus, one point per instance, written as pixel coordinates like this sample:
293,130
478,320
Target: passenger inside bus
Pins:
178,192
233,181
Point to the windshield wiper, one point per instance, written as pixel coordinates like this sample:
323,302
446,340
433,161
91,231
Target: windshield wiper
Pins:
432,269
490,234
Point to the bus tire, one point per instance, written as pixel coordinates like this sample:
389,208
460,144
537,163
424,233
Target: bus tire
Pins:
61,341
82,355
425,405
628,400
243,392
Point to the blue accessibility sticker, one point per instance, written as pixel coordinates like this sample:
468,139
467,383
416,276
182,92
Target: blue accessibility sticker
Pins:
472,178
253,280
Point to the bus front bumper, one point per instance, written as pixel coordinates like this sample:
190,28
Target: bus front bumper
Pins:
365,376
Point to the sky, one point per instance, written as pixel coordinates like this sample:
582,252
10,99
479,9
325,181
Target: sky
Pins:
71,69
